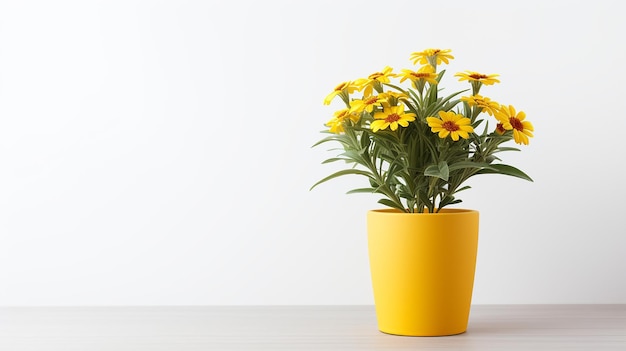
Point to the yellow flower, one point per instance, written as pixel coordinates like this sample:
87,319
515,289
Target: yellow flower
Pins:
450,123
425,73
511,120
437,55
383,76
345,87
471,76
336,124
367,104
375,80
391,116
398,125
476,100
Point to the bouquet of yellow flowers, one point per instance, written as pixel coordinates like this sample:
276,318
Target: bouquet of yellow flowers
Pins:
415,147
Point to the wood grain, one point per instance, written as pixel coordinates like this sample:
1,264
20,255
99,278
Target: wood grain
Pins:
492,327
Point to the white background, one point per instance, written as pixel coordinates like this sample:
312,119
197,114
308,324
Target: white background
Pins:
159,152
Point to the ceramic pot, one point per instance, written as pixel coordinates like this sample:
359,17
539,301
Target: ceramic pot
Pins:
422,268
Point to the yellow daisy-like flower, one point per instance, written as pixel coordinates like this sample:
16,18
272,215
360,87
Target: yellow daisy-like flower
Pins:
471,76
436,55
477,100
450,123
375,79
511,120
383,76
367,104
345,87
425,73
391,117
336,124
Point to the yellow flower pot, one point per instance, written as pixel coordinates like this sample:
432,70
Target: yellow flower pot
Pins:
422,268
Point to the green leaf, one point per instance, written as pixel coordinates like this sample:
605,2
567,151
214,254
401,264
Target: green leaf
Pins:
335,159
468,164
395,87
440,170
463,188
456,201
361,190
365,141
391,204
477,123
492,158
342,173
433,108
373,183
504,148
506,170
426,201
414,96
356,156
333,137
449,200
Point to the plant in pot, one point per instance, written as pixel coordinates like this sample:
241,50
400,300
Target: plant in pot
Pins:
416,148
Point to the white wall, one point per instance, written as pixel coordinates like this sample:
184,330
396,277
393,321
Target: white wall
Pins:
158,152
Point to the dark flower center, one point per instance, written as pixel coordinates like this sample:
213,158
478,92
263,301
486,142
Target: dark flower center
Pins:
371,100
500,128
376,75
393,117
450,126
341,86
478,76
516,123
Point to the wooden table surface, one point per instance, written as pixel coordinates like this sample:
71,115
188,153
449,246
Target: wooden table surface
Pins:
344,328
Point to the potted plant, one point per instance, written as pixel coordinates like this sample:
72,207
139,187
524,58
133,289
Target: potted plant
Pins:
416,148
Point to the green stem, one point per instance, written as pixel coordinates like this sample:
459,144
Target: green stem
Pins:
370,164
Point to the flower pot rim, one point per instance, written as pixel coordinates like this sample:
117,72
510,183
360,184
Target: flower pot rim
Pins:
442,212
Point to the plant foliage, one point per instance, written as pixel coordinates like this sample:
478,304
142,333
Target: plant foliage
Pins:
415,146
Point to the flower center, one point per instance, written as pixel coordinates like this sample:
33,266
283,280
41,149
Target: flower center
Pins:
341,86
420,75
342,114
450,126
478,76
371,100
375,75
392,117
500,128
516,123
